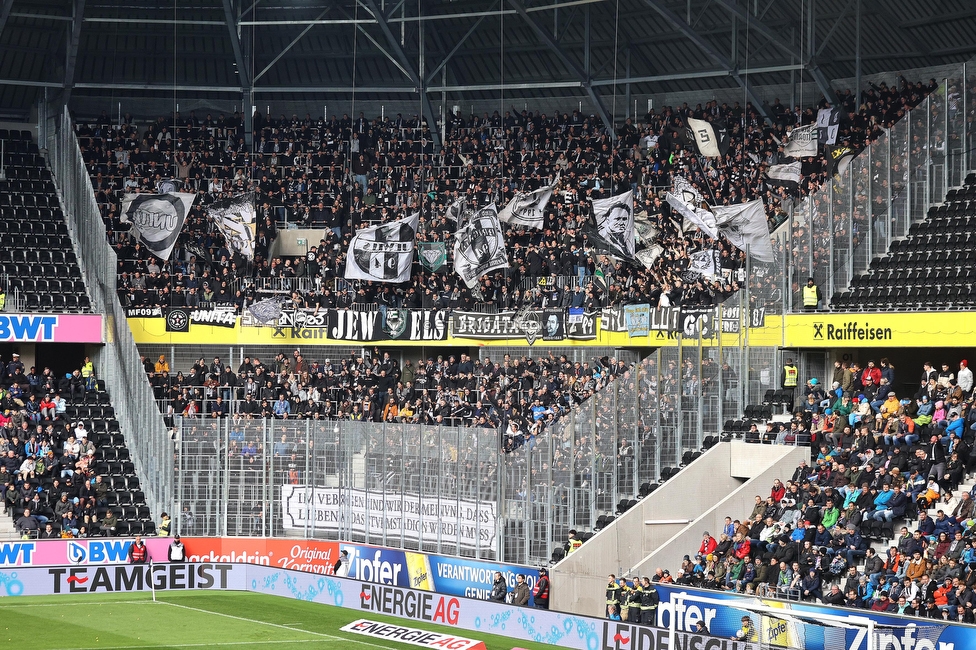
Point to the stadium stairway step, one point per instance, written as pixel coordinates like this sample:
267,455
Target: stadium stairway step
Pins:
7,530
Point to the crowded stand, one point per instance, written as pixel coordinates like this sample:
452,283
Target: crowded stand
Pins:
342,174
520,396
881,518
64,465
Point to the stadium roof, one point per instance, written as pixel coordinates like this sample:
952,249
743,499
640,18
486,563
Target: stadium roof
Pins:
303,49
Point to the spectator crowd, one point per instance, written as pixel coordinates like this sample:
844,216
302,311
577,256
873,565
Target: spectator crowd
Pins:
48,464
343,173
886,467
522,396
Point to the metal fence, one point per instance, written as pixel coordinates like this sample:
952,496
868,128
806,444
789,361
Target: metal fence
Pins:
835,233
117,362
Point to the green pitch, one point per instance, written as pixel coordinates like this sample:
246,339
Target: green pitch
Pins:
196,620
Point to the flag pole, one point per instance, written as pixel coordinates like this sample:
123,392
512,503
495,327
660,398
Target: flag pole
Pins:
705,176
152,583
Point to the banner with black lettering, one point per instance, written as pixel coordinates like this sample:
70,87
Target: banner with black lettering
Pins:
157,219
479,246
234,218
383,253
528,208
802,142
581,325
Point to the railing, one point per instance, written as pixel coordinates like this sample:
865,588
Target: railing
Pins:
117,362
836,232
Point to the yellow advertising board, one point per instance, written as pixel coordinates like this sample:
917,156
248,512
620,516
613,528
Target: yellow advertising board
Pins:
879,329
818,330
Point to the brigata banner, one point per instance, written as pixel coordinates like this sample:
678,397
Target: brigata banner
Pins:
51,328
330,509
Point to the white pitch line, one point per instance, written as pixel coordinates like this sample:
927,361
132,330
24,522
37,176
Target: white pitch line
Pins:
282,627
82,604
192,645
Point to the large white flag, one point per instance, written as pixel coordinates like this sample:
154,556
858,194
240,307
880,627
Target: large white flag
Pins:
454,210
787,175
383,253
528,208
479,246
613,225
700,217
746,227
157,219
803,142
711,139
234,219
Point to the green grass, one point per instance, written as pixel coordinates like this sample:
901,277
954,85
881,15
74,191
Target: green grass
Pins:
196,620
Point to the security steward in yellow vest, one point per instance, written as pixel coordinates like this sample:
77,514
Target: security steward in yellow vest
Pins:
790,376
811,296
573,543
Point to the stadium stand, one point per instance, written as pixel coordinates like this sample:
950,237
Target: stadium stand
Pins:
521,397
64,460
38,267
931,269
306,171
884,511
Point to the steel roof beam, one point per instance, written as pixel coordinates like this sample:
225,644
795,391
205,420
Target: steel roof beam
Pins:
407,66
72,54
680,25
543,35
235,43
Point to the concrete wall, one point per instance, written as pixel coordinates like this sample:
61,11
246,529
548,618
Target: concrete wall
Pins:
696,500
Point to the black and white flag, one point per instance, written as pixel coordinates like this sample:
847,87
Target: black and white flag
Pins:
647,256
157,219
700,217
828,123
528,208
746,227
479,246
383,253
234,218
705,263
267,311
838,160
612,227
787,176
711,138
802,143
455,210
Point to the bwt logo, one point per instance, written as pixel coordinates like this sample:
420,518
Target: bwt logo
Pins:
16,553
27,328
98,552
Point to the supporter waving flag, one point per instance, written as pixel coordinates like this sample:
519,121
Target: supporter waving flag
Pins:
612,226
455,210
745,225
479,246
234,218
786,176
700,217
710,138
828,124
383,253
157,219
528,208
